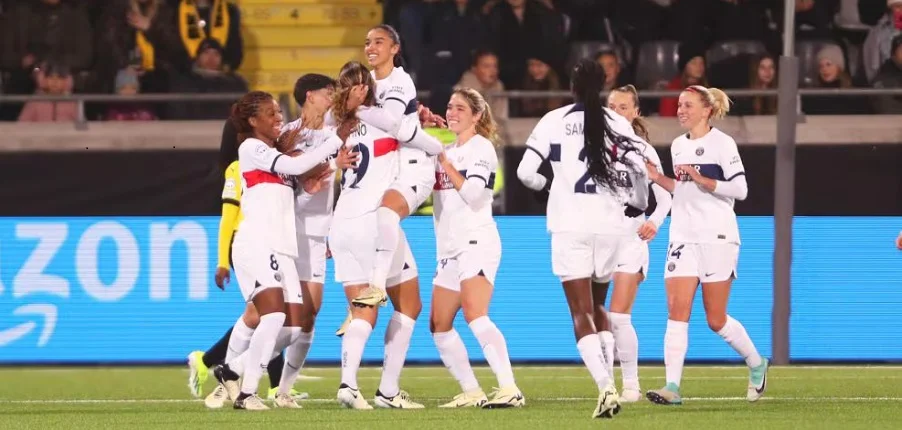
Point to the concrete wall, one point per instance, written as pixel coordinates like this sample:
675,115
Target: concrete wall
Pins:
179,135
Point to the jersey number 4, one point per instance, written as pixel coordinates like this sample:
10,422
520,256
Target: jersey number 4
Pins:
585,184
362,165
675,252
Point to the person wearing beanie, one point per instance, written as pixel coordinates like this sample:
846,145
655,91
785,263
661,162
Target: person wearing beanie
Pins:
832,74
207,75
540,77
691,64
877,46
890,76
127,84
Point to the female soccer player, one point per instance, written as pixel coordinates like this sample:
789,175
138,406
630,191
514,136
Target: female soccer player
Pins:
632,259
704,238
199,362
586,205
469,252
395,102
352,240
265,245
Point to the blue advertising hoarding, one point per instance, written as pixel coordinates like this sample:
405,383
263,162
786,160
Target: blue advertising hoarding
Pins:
133,289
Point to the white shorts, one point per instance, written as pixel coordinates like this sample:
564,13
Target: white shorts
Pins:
311,261
480,258
709,262
587,255
257,269
415,186
632,256
353,246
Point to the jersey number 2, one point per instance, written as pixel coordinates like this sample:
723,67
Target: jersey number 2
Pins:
583,185
362,164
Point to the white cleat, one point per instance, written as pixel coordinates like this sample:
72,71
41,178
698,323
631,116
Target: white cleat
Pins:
399,401
630,395
217,398
351,398
285,401
608,403
471,399
251,403
509,397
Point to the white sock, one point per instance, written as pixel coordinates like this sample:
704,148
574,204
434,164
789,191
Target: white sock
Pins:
260,350
627,348
295,356
239,340
454,354
388,234
590,350
735,335
352,344
286,337
607,346
397,340
676,342
495,350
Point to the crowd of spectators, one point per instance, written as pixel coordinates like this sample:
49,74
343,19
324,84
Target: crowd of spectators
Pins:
195,46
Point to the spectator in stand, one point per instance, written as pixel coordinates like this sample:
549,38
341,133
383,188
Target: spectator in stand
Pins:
890,76
613,76
762,76
127,84
812,18
539,77
140,34
519,26
740,20
832,74
483,77
456,32
51,78
692,72
876,48
208,75
35,31
220,20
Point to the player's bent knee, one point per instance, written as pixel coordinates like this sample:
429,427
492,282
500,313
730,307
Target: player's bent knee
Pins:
395,201
251,317
716,322
269,300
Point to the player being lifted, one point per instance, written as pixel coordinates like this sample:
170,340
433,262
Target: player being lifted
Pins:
587,201
469,252
704,238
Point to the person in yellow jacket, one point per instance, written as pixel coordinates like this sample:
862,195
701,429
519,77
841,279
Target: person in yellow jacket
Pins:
199,362
446,137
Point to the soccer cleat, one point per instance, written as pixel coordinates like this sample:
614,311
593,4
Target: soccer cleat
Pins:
294,394
669,395
757,381
217,398
370,297
608,403
344,326
198,373
471,399
509,397
351,398
250,402
630,395
285,401
228,379
399,401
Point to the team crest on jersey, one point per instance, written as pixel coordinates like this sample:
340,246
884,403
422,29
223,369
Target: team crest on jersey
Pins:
671,267
277,276
699,151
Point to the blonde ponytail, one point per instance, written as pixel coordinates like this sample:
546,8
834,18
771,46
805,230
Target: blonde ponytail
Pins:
486,127
713,98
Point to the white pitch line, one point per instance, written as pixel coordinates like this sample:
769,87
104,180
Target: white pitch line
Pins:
541,399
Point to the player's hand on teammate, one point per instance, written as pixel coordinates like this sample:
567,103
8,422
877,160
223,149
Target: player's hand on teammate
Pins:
689,171
347,159
430,119
222,277
445,161
653,174
647,231
316,183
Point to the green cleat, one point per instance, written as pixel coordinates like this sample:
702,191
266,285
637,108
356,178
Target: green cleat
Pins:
198,373
757,381
669,395
294,394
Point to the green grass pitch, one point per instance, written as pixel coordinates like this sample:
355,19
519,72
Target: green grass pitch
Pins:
560,397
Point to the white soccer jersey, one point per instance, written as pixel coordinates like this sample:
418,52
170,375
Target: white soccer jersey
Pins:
576,203
698,216
314,218
267,201
398,87
648,151
455,220
362,188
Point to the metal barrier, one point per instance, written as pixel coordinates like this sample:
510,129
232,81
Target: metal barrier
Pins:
284,99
